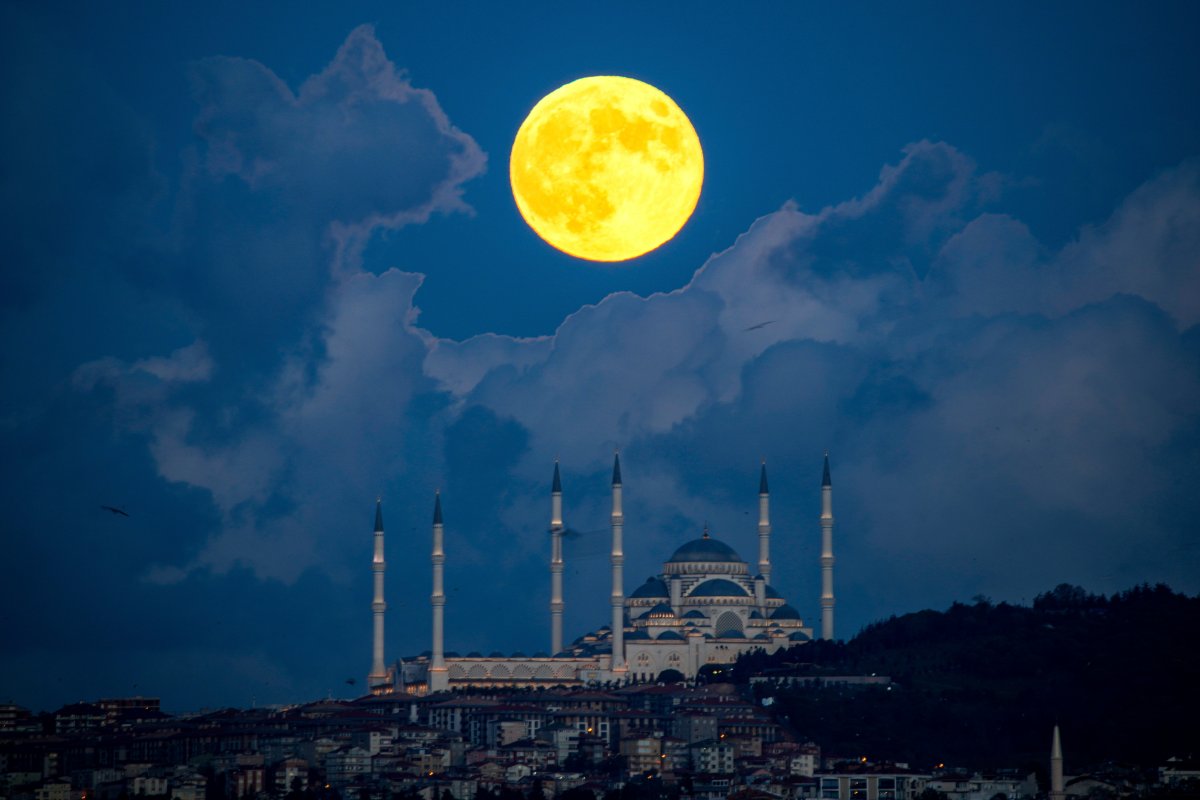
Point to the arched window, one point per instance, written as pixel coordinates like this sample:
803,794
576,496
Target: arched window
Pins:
729,624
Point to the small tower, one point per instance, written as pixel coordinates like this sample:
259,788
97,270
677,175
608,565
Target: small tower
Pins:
1056,768
618,560
556,564
438,674
826,553
378,679
764,526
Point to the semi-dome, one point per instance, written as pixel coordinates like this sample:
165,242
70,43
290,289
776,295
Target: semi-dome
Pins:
718,587
772,593
799,636
785,612
653,587
661,610
705,549
670,636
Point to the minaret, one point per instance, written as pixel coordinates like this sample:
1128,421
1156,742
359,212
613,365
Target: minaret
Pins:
764,526
438,675
379,675
826,553
556,564
1056,768
618,559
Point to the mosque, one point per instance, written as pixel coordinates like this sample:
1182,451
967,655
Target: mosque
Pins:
705,608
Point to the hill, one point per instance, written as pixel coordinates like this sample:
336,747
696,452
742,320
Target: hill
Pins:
981,685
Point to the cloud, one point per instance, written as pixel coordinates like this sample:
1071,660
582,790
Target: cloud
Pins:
266,245
1002,414
1027,404
287,187
994,375
1150,247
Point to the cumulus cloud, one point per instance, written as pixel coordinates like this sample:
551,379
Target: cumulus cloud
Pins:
287,187
1002,415
943,354
306,365
989,403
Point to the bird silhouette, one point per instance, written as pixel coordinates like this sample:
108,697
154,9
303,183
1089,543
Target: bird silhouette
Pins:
115,510
759,325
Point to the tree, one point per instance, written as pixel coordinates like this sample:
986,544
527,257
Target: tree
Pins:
671,676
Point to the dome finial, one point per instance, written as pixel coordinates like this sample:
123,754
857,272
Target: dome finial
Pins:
705,529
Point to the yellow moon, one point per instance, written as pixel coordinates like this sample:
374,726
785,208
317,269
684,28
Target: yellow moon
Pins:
606,168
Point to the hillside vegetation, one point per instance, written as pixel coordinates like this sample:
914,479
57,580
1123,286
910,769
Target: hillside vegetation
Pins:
982,685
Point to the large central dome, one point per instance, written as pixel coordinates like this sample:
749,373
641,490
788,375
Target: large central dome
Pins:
705,549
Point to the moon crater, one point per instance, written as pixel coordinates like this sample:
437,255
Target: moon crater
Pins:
606,168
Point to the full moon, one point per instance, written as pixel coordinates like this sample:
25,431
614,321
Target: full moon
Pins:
606,168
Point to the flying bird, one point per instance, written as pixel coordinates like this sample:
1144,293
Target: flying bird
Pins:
351,681
115,510
759,325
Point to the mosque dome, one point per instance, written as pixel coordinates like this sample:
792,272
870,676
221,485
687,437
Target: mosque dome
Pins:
653,587
662,610
705,549
718,587
785,612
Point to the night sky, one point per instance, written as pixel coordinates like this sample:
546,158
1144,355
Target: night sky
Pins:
259,266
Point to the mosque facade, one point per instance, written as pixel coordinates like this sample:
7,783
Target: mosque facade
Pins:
704,608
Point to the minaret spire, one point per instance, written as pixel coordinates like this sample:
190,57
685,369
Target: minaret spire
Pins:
618,560
438,675
1056,768
764,526
379,674
556,564
826,552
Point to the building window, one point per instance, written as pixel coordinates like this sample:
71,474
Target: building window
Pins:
729,624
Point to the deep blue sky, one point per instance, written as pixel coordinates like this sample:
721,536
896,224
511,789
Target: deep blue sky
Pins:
245,252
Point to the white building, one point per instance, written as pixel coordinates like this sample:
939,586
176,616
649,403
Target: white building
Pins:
706,607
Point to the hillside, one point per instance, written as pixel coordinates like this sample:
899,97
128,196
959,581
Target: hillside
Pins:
981,685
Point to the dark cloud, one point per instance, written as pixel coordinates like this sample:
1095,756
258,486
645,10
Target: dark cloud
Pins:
225,353
1002,414
288,186
975,446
